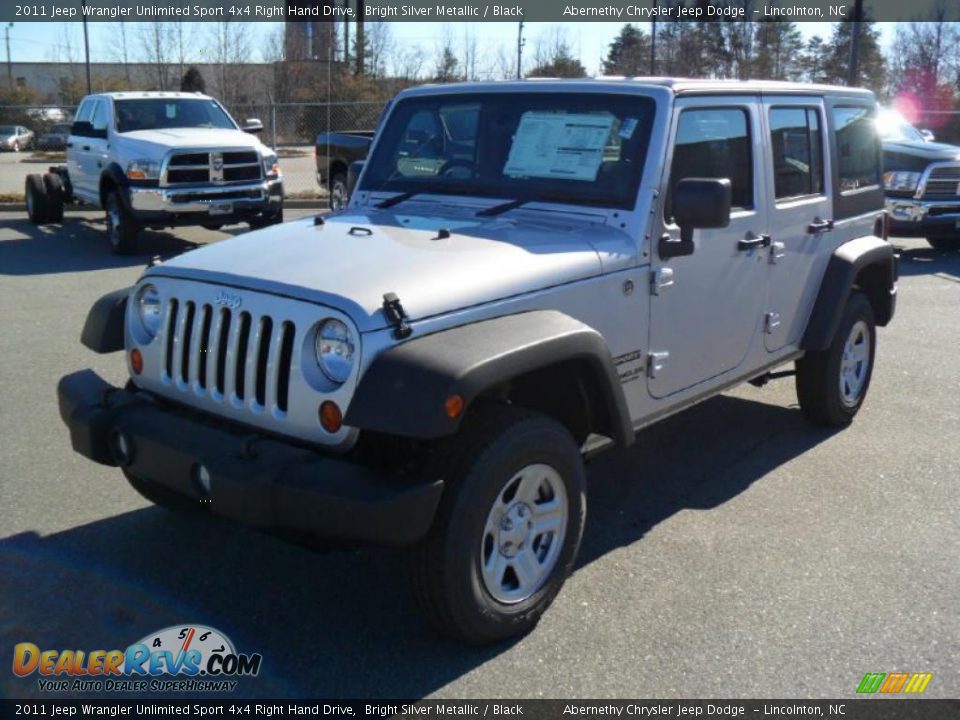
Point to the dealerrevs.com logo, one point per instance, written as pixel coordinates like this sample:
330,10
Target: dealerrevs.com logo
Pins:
180,658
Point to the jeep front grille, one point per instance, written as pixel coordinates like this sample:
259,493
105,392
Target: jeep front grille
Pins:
230,356
943,183
217,167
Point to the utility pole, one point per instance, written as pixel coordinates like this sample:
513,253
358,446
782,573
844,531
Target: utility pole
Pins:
86,43
9,64
520,42
853,78
653,41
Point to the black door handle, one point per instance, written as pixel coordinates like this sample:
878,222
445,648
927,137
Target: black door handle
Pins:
69,145
820,226
751,241
86,147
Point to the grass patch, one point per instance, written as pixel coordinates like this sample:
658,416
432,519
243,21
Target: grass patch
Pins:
11,197
45,156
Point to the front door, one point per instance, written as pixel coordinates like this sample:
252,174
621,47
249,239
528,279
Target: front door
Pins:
800,219
706,312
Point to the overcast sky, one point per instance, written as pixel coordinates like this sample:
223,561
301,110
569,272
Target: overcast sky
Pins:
589,40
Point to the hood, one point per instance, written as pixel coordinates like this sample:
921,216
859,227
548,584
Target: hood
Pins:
926,150
352,260
178,138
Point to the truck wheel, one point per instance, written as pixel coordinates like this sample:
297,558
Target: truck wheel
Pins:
832,384
159,495
339,196
35,193
122,231
508,528
944,244
55,197
263,221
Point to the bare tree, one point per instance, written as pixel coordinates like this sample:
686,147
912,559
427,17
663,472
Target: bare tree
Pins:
183,42
155,39
379,48
231,48
469,53
408,63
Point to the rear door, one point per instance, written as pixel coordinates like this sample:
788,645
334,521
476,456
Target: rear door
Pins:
78,152
799,213
707,308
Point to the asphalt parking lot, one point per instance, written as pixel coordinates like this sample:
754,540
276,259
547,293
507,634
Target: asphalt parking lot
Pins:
734,551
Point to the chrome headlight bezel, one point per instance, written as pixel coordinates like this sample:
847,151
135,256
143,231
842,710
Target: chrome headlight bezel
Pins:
271,166
149,309
335,350
901,180
143,169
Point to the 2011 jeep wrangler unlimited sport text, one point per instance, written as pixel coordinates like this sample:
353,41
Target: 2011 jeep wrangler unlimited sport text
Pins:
526,272
160,159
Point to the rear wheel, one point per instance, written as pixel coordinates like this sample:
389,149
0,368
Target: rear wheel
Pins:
508,528
55,197
122,230
339,196
832,384
944,244
35,194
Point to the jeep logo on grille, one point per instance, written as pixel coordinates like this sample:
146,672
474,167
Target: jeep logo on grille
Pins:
228,300
216,167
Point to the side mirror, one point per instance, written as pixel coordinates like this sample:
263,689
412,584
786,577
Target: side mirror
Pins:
82,128
696,203
252,125
353,174
928,135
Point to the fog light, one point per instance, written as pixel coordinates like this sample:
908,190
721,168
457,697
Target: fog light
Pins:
330,416
201,478
136,361
121,448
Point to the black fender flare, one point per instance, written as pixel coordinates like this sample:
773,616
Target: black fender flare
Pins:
103,329
845,266
404,390
115,175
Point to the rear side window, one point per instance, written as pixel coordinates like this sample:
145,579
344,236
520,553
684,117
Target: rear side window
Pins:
797,144
858,160
715,143
99,120
86,107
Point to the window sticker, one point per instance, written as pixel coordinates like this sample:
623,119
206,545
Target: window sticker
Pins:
628,127
565,146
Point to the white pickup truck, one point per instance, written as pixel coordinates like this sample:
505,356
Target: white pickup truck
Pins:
160,159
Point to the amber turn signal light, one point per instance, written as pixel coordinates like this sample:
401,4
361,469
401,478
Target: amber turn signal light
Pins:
136,361
453,406
330,416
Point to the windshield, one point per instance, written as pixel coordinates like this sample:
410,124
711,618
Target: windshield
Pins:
160,113
892,126
580,148
8,130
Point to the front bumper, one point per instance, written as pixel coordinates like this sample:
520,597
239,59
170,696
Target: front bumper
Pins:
910,217
193,204
262,482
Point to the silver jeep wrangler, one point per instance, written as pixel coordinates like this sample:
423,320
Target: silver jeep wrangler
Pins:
526,272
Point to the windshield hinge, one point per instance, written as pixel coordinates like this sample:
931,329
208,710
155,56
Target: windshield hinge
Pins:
396,316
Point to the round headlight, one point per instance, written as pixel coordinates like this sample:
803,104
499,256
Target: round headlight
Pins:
148,309
334,348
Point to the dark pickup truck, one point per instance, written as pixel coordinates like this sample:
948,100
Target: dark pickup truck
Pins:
333,153
921,183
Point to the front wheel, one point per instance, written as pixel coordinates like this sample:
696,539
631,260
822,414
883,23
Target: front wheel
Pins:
508,528
832,384
339,196
122,230
274,218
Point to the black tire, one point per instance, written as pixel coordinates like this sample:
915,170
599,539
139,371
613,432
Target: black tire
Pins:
161,496
339,195
944,244
35,194
263,221
822,391
480,465
122,229
213,226
55,197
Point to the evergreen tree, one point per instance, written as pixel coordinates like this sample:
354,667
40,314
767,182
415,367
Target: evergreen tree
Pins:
629,53
448,67
193,81
872,67
560,64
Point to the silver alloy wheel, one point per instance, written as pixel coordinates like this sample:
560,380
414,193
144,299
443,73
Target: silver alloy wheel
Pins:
524,534
338,196
855,363
30,205
113,220
16,146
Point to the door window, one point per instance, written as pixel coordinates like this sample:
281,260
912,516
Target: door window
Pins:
99,120
857,147
797,145
86,107
715,143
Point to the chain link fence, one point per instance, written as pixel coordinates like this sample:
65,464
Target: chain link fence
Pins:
289,128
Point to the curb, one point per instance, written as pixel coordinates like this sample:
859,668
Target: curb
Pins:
291,204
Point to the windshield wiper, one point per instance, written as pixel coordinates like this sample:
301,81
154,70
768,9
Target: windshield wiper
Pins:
396,199
501,208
